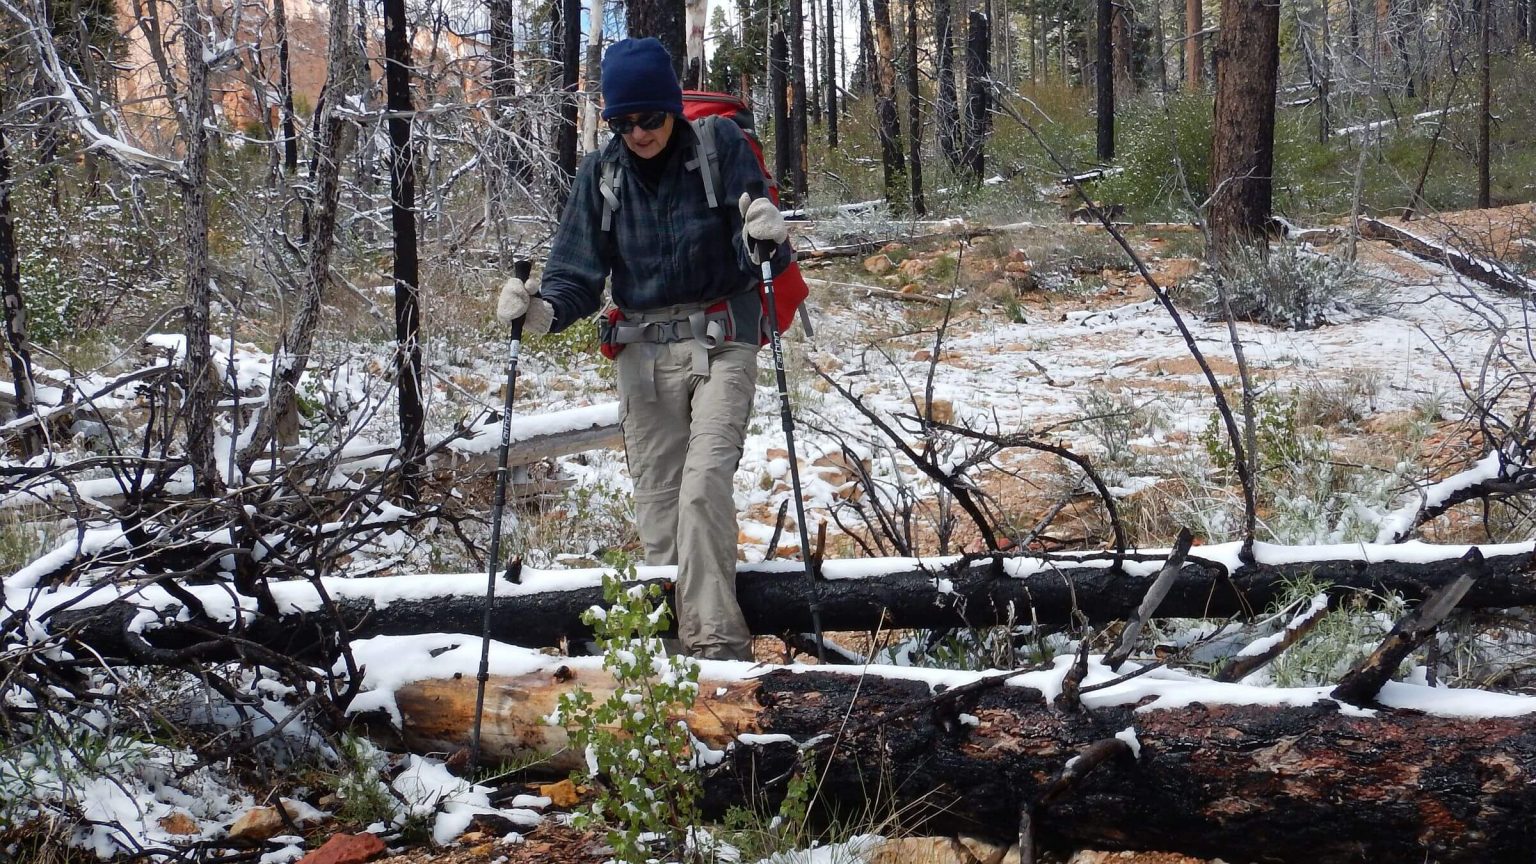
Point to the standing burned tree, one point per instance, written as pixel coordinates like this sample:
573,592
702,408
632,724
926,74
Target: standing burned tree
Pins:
914,113
795,180
888,122
15,308
407,270
978,95
664,19
570,82
199,380
946,113
1243,149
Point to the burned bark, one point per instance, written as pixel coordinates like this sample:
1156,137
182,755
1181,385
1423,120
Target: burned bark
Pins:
914,114
407,268
198,377
1307,783
775,600
1243,146
15,309
1104,82
1490,273
892,163
978,95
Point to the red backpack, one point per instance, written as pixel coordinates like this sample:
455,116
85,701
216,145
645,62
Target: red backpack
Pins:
789,288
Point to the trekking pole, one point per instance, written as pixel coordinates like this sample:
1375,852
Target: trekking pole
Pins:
522,270
765,250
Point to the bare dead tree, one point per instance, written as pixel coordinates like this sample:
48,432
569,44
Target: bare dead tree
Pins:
978,96
1485,100
664,19
285,88
570,69
407,271
1104,82
198,375
831,52
799,114
892,164
914,114
335,132
15,308
947,105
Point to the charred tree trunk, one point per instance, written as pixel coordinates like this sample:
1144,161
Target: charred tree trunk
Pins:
778,102
947,111
978,95
285,88
1052,594
1295,784
570,83
799,128
1104,82
813,88
664,19
1485,102
865,74
887,120
197,376
914,115
402,211
514,168
1243,150
831,52
15,307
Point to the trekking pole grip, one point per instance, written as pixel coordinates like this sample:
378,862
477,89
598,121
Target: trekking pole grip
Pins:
765,250
522,269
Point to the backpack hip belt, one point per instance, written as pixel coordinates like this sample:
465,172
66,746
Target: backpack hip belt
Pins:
708,326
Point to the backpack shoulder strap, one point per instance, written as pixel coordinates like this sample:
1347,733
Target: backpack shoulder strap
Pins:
608,187
708,160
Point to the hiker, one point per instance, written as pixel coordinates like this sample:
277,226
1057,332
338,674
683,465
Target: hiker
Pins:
688,324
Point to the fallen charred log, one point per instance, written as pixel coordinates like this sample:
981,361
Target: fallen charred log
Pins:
1276,782
545,610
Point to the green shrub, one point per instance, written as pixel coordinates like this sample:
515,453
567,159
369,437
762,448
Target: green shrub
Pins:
1154,143
638,751
365,799
1288,287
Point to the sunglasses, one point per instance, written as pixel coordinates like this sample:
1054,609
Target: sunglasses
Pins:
649,121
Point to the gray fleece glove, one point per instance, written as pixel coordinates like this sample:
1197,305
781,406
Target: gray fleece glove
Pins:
518,301
761,223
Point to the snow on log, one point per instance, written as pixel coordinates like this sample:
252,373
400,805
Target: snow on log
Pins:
857,595
1226,770
555,433
1487,272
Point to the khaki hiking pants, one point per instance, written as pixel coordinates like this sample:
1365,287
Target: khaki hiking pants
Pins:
683,448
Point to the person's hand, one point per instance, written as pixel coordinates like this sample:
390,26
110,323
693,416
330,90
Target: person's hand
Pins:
762,226
518,301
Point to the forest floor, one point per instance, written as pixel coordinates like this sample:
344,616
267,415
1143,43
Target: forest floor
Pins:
1134,362
1053,319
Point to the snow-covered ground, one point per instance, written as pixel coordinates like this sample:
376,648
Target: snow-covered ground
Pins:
996,373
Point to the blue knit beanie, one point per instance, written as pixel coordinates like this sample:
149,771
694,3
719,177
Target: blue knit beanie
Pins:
638,77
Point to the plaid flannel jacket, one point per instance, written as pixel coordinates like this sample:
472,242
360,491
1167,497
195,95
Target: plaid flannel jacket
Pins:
666,246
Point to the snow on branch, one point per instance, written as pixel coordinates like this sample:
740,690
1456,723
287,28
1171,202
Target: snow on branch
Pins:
63,83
